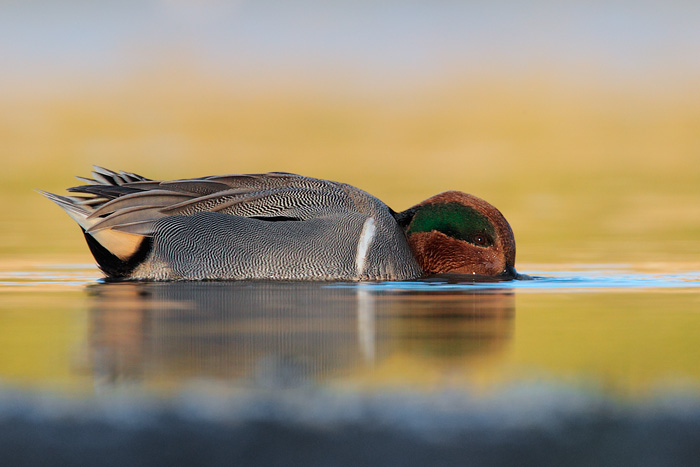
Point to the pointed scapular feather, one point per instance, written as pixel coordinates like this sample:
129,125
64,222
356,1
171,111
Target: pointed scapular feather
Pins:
196,186
127,216
95,201
107,191
143,228
153,198
143,185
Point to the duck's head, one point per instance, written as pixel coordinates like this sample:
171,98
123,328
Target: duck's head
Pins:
454,232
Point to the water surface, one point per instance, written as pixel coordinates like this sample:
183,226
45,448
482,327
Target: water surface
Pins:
623,330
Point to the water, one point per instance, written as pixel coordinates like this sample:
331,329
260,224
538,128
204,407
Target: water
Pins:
269,372
624,330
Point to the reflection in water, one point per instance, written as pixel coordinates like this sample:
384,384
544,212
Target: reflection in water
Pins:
276,334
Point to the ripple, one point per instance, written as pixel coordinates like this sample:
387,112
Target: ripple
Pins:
570,278
583,279
48,275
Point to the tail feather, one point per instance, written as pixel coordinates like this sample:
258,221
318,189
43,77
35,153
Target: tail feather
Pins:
73,207
120,244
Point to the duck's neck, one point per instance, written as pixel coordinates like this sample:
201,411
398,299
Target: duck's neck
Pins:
404,218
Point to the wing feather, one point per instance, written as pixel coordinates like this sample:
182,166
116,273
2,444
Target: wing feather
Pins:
197,186
128,216
151,198
127,202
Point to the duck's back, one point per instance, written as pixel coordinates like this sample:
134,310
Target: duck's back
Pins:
262,226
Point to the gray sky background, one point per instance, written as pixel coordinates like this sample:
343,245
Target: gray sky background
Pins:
46,43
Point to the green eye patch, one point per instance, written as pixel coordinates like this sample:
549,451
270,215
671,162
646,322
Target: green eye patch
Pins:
454,220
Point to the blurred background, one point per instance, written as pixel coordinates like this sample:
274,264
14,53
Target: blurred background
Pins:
579,120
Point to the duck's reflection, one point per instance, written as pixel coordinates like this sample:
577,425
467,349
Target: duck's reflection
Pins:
281,334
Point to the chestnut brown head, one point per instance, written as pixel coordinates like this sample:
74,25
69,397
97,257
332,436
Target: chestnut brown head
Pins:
454,232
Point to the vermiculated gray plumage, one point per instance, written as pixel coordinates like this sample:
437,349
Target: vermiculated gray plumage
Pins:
261,226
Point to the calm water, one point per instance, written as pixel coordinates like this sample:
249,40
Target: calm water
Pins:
627,331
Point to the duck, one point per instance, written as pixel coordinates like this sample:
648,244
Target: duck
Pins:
280,226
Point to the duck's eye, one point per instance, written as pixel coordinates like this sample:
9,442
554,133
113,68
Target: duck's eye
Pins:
481,240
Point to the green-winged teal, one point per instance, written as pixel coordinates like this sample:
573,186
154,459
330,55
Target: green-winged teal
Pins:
281,226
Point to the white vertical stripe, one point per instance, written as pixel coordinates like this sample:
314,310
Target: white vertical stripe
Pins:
366,237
